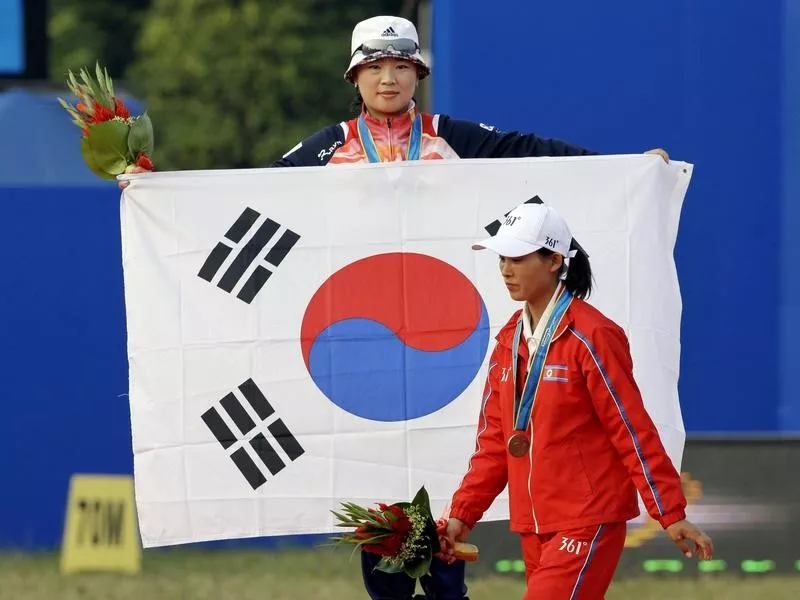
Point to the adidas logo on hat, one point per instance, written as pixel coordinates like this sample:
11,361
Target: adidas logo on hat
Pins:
390,32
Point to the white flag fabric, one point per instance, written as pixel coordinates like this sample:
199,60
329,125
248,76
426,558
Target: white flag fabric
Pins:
302,337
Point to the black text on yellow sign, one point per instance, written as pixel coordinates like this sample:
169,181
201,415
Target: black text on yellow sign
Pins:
100,532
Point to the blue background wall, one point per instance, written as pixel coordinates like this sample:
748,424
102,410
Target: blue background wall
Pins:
717,84
63,352
789,309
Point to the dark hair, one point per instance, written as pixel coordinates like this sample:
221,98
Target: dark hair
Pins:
356,103
579,276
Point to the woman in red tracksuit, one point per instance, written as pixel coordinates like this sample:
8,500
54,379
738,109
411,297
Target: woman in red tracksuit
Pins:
563,423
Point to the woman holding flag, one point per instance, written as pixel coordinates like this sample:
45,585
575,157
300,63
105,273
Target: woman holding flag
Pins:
563,423
386,66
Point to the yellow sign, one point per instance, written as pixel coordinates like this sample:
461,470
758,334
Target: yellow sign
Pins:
100,532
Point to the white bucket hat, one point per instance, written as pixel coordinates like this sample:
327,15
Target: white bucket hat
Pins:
384,36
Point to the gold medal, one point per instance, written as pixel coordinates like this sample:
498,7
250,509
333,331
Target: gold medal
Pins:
518,444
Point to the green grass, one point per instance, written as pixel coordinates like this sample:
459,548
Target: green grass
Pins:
308,575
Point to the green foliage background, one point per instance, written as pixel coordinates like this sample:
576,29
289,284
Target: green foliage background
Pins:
227,83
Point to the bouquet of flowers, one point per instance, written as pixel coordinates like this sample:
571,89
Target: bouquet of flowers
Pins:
404,534
113,141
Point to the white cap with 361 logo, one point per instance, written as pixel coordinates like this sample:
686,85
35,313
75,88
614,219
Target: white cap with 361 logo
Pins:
528,228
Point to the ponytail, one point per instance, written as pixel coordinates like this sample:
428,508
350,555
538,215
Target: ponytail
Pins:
579,275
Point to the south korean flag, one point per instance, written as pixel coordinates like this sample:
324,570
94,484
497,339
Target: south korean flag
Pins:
302,337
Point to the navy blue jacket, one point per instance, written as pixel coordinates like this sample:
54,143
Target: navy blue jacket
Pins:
467,139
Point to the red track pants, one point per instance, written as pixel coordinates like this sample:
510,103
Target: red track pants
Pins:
578,564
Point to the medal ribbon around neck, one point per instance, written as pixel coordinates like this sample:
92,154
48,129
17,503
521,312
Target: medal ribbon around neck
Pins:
371,150
523,405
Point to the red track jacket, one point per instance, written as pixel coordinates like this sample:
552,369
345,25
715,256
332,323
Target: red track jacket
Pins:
592,437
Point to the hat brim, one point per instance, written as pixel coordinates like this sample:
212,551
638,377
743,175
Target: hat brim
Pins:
506,245
359,59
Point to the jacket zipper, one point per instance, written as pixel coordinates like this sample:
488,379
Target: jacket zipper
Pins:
391,142
530,477
530,453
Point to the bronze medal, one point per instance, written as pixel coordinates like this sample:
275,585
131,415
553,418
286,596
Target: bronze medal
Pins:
518,444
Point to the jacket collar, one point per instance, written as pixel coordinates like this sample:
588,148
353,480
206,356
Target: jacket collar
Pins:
505,337
406,117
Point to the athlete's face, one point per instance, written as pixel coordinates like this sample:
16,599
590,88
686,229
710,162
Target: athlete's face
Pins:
387,86
531,278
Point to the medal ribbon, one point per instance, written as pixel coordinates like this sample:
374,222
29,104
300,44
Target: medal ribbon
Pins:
371,150
523,405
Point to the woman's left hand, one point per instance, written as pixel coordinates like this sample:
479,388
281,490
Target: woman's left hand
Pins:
661,152
684,531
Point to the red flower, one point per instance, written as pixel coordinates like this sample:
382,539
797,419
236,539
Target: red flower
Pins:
403,524
144,162
394,510
387,546
101,113
390,543
120,110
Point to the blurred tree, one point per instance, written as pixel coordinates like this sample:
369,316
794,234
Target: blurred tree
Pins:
82,32
236,83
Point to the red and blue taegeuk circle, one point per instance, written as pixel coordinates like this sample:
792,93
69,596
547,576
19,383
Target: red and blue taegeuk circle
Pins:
395,336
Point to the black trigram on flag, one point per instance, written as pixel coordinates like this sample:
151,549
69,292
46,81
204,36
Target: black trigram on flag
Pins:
265,449
492,227
246,254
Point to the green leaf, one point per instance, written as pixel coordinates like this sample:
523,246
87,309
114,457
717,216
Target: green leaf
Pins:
109,82
423,501
419,568
421,564
88,158
105,81
102,78
109,145
96,89
354,508
372,540
65,104
87,79
73,84
388,566
77,118
339,516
